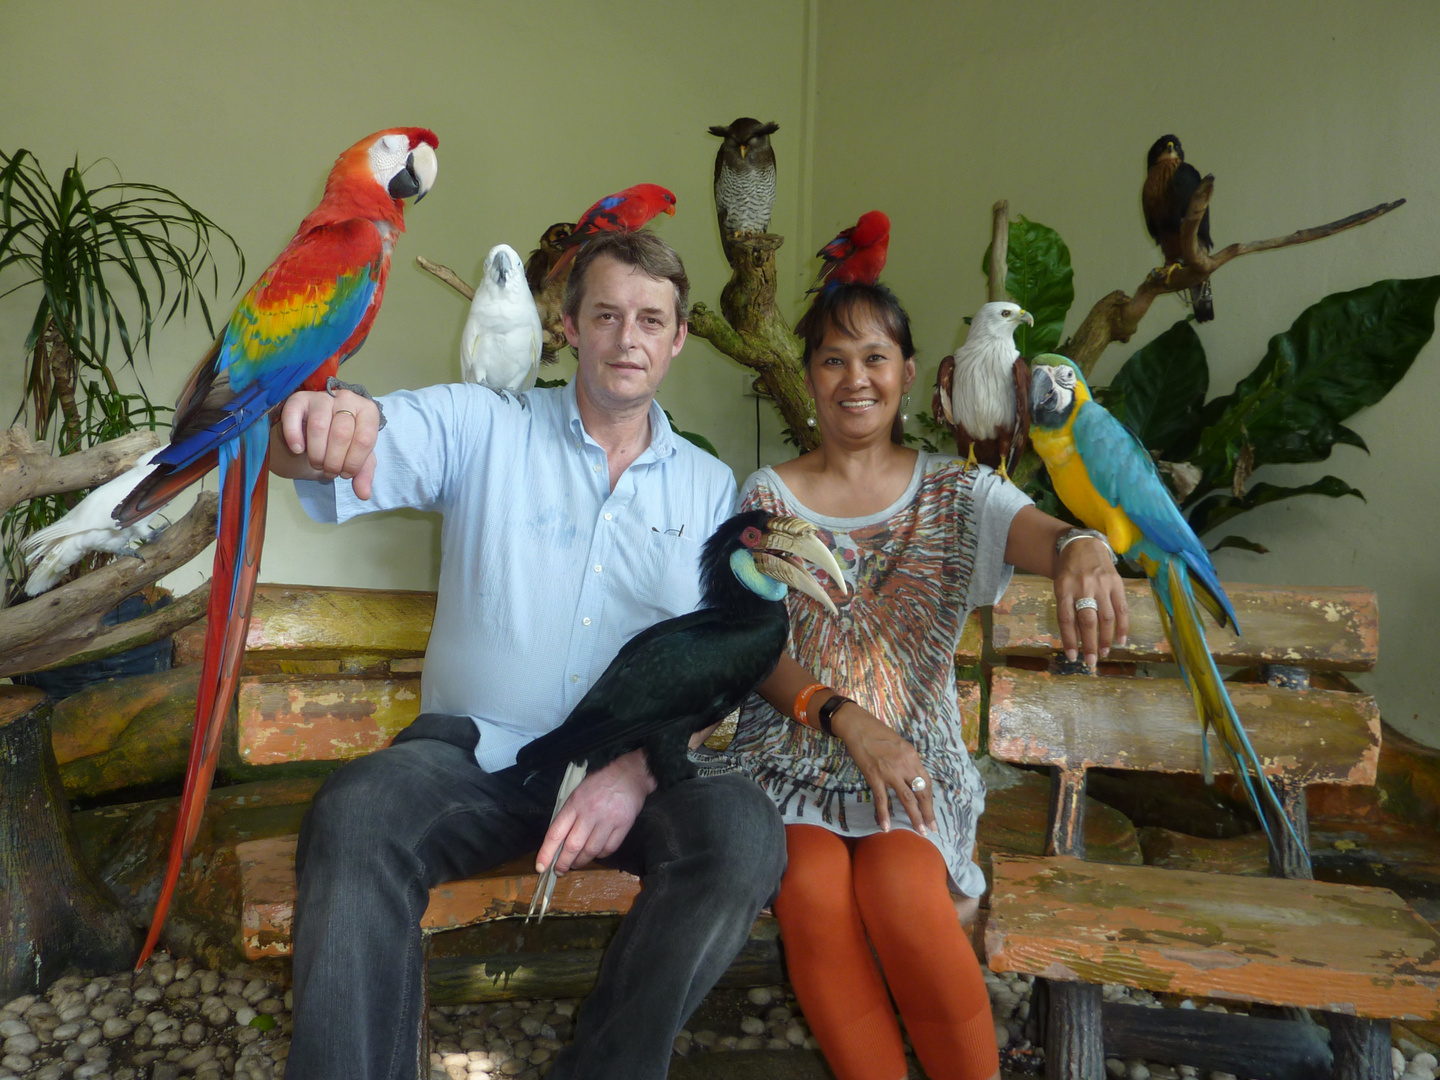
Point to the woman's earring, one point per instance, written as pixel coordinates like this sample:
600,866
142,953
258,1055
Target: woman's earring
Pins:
905,409
809,421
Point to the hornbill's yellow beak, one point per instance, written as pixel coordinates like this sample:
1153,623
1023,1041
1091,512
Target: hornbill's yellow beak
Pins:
794,536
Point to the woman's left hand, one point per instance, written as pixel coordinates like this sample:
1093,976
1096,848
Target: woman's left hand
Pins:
1085,569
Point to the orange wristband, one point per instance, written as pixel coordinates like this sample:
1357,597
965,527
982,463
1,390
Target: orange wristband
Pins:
802,703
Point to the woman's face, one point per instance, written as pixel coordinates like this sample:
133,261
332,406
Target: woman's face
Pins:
857,382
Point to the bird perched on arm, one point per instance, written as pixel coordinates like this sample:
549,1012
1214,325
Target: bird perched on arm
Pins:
983,391
549,294
1170,183
1104,475
500,345
89,526
685,674
857,253
310,310
625,211
744,176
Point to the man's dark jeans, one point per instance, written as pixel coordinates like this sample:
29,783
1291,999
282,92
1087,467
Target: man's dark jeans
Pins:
387,827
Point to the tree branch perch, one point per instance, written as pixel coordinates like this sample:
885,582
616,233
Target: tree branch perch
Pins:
1116,316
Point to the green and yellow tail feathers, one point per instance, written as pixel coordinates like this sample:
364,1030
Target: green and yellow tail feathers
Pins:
1176,601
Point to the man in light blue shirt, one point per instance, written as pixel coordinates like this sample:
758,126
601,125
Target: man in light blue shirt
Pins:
573,519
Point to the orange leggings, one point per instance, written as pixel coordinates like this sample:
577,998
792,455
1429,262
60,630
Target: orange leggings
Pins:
842,895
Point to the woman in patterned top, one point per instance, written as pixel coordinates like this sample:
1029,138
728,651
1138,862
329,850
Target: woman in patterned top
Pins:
865,706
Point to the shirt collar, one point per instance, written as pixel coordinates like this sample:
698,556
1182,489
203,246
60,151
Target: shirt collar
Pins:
662,436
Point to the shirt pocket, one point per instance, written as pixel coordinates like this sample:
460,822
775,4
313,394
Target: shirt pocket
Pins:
666,570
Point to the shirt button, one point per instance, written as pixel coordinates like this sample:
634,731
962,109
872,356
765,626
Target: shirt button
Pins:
597,468
607,517
574,678
586,620
597,568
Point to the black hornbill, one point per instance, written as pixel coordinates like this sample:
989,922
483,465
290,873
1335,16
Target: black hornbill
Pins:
1170,183
685,674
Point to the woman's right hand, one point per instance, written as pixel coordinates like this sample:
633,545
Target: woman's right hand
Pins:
887,761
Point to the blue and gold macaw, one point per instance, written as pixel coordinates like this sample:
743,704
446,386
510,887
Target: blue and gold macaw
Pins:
1101,471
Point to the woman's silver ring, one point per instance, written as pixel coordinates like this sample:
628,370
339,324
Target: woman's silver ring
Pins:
917,785
1087,603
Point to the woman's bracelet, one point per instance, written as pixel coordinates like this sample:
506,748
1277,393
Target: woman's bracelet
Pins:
1068,537
828,711
802,703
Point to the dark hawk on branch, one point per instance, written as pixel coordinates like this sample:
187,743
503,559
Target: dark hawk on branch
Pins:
1170,183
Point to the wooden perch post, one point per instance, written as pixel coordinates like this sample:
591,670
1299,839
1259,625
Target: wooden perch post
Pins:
28,470
999,249
1117,316
751,331
445,274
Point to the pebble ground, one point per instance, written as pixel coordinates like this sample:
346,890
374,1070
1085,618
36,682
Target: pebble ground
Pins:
174,1020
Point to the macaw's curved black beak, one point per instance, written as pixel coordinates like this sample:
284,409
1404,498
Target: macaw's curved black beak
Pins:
795,536
418,176
1042,389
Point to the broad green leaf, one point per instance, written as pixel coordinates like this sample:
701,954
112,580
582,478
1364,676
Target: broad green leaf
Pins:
1341,355
1038,277
1221,507
699,440
1160,391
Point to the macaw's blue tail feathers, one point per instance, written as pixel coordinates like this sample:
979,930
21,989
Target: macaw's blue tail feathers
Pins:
1175,598
244,481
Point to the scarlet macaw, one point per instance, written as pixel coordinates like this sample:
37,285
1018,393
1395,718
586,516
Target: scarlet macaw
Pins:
1104,475
308,312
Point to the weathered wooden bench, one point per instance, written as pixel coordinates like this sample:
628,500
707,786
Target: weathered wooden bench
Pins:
1358,956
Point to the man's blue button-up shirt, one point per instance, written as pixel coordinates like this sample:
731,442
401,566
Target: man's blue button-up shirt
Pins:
545,572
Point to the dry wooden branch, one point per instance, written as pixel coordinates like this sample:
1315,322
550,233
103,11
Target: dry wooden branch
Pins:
445,274
62,622
999,249
752,331
1117,316
28,469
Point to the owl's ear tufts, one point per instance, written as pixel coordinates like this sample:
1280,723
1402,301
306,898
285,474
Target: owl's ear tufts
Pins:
716,129
768,129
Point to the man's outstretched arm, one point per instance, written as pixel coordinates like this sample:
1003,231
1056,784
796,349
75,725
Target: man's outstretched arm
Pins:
320,437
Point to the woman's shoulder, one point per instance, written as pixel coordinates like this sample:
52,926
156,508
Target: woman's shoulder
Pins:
762,489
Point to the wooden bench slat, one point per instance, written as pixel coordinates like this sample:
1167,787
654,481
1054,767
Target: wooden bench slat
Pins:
1336,629
267,885
1316,736
322,621
1341,948
303,718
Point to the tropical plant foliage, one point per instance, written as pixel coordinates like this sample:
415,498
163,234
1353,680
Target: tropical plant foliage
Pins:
1342,354
109,261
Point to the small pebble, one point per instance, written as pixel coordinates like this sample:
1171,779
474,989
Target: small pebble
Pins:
752,1025
759,995
1135,1069
1002,1036
1115,1067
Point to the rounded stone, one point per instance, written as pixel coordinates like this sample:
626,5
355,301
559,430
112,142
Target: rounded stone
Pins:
779,1013
706,1038
1115,1067
1002,1036
17,1063
193,1034
759,995
1425,1060
163,973
1137,1070
565,1008
13,1025
752,1025
24,1044
776,1044
19,1004
116,1028
682,1045
149,994
66,1031
795,1034
244,1015
73,1012
274,1006
1163,1072
209,982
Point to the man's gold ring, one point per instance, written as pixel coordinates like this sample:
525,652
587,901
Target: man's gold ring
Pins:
337,412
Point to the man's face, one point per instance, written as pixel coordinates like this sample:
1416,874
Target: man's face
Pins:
625,335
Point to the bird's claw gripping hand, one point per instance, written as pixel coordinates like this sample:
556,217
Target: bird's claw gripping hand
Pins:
332,384
971,463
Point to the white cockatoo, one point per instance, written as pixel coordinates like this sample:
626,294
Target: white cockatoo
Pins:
500,346
983,391
89,527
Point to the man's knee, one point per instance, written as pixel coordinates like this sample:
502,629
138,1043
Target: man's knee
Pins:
740,834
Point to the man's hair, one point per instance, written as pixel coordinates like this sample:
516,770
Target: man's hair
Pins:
645,252
839,305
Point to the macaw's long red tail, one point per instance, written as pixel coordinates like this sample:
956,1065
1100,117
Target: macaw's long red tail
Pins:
244,483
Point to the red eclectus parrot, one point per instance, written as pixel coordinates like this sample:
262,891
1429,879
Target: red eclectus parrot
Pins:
625,211
857,254
1103,474
308,312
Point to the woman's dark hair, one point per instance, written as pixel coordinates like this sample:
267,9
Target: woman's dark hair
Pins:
839,305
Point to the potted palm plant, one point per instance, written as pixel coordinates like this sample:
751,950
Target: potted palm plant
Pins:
108,261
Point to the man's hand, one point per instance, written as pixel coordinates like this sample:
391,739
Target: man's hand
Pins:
886,761
1085,568
598,815
320,437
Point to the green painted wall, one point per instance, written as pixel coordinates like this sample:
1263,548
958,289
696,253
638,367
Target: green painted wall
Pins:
931,111
1305,112
242,108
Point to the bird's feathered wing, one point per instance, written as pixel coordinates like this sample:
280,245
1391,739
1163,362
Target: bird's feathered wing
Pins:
638,694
